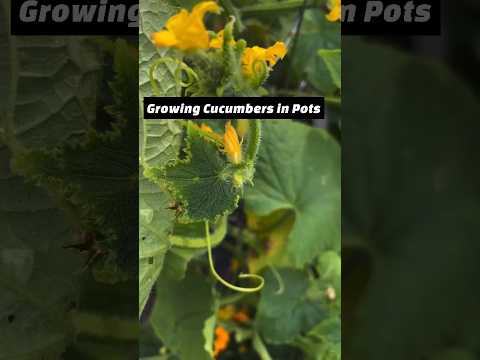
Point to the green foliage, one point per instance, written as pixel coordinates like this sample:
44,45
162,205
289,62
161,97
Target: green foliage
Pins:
40,107
305,180
156,221
323,342
180,313
333,61
286,185
203,182
412,208
285,314
316,34
33,317
75,185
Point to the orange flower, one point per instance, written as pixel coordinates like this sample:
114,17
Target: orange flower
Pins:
222,338
229,312
232,144
241,316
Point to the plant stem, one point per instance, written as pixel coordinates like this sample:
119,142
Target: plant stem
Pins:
233,11
241,276
275,6
254,137
260,347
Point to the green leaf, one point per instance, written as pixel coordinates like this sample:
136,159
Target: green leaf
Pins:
34,320
203,182
329,268
99,178
97,175
188,241
45,105
316,33
410,205
159,140
156,222
333,61
303,178
284,315
181,310
323,342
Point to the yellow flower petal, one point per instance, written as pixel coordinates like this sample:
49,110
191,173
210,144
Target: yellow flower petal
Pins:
232,145
202,8
217,43
273,53
164,39
206,128
186,31
210,134
335,11
253,57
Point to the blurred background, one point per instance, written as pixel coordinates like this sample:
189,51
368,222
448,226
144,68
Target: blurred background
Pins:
410,190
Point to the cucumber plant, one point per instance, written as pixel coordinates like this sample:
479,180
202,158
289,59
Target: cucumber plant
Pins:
264,194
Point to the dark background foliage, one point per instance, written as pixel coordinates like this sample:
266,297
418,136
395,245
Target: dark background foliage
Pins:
410,193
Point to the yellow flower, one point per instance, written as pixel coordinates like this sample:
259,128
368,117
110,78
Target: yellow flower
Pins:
186,31
217,43
231,144
335,7
225,313
254,57
222,338
206,128
229,312
210,134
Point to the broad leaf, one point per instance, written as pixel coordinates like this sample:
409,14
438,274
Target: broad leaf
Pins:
159,140
304,179
181,310
156,221
410,205
97,174
333,61
203,182
48,85
37,276
323,342
285,312
316,33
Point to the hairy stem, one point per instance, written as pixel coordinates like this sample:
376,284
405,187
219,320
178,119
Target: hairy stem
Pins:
254,137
